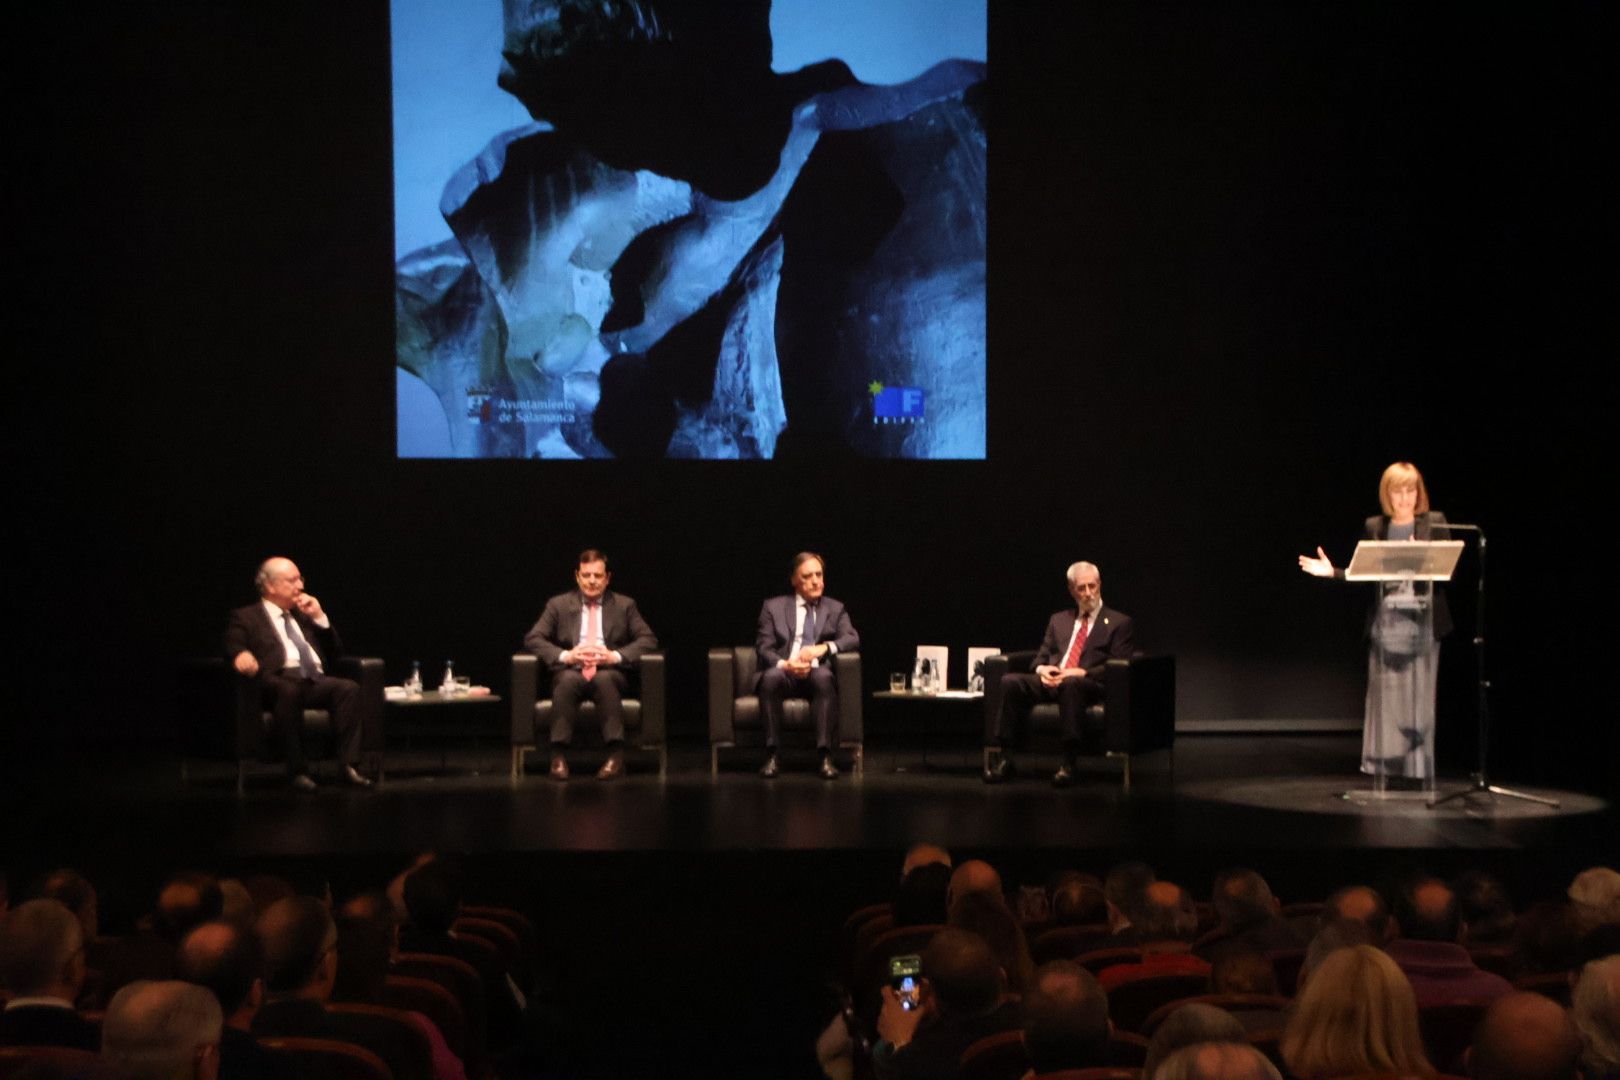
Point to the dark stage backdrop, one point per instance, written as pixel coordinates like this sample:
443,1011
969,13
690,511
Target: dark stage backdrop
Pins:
1241,257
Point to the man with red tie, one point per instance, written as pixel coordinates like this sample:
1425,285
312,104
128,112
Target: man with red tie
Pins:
592,638
1069,669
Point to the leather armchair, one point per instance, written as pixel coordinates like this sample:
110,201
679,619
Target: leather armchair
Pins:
1138,709
735,718
644,714
211,689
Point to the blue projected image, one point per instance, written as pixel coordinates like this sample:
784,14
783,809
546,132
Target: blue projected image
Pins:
673,228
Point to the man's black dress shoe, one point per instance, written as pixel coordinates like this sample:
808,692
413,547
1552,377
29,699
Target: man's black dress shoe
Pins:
1064,776
1000,772
351,775
828,770
303,782
771,769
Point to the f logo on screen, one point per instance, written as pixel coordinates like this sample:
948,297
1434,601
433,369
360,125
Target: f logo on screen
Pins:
896,404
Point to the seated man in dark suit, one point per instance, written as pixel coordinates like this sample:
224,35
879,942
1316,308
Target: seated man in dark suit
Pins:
228,961
287,642
797,637
42,964
963,998
592,639
301,962
1069,669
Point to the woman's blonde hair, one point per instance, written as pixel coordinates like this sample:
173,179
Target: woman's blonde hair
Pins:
1357,1014
1400,475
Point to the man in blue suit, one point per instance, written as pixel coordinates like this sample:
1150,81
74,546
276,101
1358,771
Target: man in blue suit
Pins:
797,638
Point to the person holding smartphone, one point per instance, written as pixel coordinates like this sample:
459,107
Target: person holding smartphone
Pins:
961,998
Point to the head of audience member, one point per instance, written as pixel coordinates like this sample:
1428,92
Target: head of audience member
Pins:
1524,1037
1167,916
42,951
228,960
300,949
920,900
73,891
372,904
1357,1014
1362,903
1595,897
396,887
1242,899
1426,910
1078,900
186,900
1124,889
988,916
1487,911
973,876
1065,1018
963,976
1595,1008
363,952
1242,971
163,1031
1233,1059
922,855
433,898
1338,934
236,902
1547,938
1187,1026
266,889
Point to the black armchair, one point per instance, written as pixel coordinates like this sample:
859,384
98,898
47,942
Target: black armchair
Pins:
735,718
1138,708
211,689
643,715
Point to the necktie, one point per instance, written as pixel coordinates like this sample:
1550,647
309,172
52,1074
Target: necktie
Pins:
809,636
593,635
1073,659
306,659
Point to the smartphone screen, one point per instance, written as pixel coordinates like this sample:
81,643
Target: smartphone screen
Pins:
904,971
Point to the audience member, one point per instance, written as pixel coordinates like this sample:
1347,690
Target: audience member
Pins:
1124,891
1335,935
987,915
1356,1014
973,876
185,900
74,891
1244,971
227,960
963,998
1165,928
1232,1060
301,966
923,855
237,903
1487,912
1248,914
1596,1012
1078,900
1065,1018
162,1031
1428,953
920,900
1188,1026
364,949
432,895
42,964
1546,938
1524,1037
1594,896
1362,904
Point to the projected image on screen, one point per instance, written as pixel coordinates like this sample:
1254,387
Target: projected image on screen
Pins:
688,229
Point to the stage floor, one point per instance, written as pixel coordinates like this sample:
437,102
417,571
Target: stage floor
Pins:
1272,793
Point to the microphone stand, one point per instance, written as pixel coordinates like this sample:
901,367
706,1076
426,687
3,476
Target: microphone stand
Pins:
1480,783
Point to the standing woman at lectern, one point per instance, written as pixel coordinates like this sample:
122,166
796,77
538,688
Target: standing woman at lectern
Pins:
1403,660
